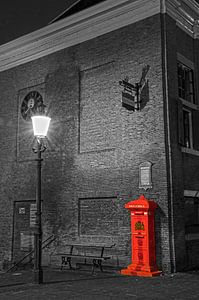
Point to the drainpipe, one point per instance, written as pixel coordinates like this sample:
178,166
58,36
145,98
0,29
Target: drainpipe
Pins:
167,135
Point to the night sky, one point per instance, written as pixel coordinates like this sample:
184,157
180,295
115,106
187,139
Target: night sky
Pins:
19,17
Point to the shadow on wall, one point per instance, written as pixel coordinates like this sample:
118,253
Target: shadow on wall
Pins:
160,221
144,96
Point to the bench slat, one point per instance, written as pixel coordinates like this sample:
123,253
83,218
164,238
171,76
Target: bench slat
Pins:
96,259
86,256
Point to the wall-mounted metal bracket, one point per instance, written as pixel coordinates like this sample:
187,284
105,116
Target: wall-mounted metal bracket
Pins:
131,92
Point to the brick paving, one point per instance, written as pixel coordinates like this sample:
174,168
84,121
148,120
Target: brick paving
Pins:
108,285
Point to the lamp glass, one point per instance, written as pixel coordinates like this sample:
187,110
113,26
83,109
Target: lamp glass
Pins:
40,125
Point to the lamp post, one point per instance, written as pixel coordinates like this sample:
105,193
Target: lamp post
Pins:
40,127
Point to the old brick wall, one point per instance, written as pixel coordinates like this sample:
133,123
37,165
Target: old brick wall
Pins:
184,166
95,146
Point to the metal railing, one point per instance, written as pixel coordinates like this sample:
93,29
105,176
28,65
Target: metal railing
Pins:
45,243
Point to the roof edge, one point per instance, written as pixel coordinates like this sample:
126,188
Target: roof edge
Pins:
87,24
92,22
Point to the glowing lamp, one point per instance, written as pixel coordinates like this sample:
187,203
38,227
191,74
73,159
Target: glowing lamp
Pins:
40,125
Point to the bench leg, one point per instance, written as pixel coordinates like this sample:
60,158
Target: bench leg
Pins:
100,265
94,265
97,263
65,262
69,262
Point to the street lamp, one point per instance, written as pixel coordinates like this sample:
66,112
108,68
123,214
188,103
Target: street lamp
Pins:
40,127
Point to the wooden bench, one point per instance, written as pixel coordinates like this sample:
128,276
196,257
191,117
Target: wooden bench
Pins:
91,253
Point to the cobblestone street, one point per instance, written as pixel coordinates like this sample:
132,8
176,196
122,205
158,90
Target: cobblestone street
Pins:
81,285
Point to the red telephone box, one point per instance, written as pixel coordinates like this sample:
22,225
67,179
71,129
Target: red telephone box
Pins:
143,238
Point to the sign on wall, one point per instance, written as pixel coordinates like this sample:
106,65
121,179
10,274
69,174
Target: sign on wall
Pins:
145,177
33,210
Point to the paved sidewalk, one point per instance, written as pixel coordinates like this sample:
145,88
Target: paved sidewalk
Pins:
81,285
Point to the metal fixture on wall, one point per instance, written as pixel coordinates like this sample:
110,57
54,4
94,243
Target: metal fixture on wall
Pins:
132,92
40,124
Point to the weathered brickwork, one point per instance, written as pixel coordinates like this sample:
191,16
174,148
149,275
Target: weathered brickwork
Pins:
184,166
95,145
98,216
98,112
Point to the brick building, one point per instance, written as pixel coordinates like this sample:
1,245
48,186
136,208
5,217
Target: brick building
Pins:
95,144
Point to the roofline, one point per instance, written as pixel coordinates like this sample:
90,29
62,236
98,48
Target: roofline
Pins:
92,22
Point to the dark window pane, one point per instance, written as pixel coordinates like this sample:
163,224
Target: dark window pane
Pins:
186,124
191,215
185,83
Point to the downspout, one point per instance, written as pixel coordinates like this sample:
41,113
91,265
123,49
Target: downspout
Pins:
167,134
